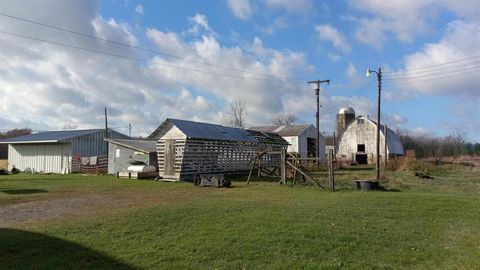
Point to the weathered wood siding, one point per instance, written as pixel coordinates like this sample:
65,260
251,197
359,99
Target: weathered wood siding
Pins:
360,133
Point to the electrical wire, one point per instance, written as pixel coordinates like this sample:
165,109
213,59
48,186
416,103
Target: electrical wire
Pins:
146,49
435,75
436,78
438,65
361,93
139,59
444,69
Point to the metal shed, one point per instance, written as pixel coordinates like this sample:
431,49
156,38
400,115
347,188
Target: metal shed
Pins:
123,153
357,142
56,151
186,148
301,138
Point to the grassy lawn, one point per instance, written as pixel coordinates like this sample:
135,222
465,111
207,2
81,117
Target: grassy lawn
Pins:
130,224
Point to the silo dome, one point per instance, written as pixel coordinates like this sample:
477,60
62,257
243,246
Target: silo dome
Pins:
346,110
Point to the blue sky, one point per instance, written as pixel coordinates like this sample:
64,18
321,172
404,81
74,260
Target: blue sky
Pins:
59,87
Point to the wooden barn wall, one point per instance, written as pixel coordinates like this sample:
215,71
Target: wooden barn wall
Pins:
194,156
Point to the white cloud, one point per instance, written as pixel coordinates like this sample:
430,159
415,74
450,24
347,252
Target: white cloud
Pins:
352,73
405,19
458,42
240,8
139,9
295,7
200,25
55,86
329,33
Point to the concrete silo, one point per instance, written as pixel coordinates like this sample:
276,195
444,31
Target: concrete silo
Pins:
344,117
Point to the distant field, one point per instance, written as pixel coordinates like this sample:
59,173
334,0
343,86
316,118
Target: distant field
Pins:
100,222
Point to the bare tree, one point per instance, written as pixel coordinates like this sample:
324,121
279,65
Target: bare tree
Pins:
459,140
238,114
69,127
285,119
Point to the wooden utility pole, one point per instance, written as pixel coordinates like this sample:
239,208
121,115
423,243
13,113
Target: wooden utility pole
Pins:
385,130
379,77
317,93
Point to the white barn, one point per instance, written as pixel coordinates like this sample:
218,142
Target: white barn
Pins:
357,142
301,138
52,151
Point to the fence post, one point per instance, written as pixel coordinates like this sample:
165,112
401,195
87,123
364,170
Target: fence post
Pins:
283,173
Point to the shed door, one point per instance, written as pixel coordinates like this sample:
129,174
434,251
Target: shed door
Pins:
169,157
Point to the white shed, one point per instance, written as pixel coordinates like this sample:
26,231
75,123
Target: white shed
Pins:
301,138
52,151
357,142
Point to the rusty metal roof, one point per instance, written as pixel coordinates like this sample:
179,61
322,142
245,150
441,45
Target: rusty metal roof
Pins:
285,131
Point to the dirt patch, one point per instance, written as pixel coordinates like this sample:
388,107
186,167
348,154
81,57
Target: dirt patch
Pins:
82,205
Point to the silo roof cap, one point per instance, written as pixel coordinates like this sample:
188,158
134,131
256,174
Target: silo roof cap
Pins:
346,110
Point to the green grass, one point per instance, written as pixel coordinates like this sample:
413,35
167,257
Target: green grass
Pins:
425,224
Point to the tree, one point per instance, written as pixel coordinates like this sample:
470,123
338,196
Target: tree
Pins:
238,114
15,133
285,119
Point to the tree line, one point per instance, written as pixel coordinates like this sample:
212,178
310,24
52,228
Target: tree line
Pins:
453,144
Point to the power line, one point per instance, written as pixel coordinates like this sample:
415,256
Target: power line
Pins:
435,75
437,78
360,93
139,59
402,73
442,64
146,49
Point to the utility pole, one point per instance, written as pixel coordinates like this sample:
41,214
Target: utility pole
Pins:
106,124
129,130
379,77
317,92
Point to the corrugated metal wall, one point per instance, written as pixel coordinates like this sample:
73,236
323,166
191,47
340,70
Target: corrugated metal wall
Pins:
47,158
93,144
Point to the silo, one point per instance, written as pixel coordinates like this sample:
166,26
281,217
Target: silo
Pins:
344,117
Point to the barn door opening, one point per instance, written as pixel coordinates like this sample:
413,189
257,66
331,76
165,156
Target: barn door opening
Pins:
361,158
169,157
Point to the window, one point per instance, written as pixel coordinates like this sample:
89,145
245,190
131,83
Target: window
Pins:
361,148
360,121
117,153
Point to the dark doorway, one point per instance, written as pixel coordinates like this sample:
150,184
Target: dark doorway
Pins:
311,147
361,148
361,159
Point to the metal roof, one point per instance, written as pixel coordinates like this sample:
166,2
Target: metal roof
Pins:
285,131
51,136
146,146
346,110
198,130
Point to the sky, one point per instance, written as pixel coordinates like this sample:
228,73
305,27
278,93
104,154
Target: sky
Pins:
62,62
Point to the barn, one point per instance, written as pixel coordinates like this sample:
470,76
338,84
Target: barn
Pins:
58,151
357,142
123,153
186,148
301,138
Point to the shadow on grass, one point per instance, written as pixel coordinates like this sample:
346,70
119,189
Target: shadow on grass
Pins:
28,250
23,191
